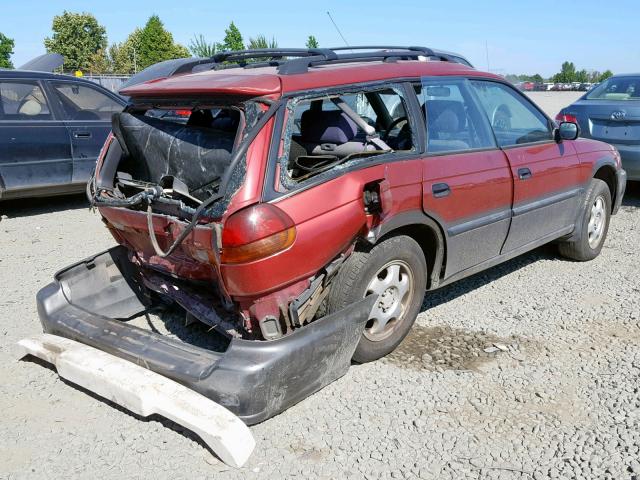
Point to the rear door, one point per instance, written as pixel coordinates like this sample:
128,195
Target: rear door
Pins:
547,185
87,112
467,184
35,151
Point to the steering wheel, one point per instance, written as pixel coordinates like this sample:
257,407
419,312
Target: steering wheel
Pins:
393,125
501,118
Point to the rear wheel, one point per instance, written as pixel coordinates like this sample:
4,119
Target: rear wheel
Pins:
396,271
593,224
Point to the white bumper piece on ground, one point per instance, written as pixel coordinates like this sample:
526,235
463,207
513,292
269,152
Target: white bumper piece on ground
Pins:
145,393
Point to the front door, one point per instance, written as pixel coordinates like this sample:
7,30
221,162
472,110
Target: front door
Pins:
87,112
35,151
546,174
467,184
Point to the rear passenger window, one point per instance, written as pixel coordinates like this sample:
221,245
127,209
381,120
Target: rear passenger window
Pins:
325,132
454,122
23,101
514,119
80,102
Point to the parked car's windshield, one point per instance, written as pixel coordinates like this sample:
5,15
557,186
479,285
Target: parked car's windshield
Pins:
616,88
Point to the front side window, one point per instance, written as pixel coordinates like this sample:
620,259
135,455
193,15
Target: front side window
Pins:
23,101
617,88
454,123
335,129
80,102
514,119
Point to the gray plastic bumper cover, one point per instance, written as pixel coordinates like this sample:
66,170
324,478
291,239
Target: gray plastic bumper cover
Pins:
253,379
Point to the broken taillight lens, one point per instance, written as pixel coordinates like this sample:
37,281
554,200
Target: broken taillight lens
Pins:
256,232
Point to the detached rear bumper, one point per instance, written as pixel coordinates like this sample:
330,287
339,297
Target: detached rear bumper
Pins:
253,379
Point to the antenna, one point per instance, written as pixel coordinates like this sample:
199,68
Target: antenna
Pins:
339,32
486,49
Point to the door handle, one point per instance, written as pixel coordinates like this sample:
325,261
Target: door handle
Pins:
440,190
524,173
81,134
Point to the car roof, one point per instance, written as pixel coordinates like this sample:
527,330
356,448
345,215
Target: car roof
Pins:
618,75
266,81
33,74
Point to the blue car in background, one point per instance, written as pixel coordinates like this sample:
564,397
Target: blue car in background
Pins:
611,112
52,128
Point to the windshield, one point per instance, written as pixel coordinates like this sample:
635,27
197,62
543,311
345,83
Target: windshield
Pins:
616,88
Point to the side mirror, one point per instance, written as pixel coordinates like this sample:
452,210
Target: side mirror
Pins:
567,131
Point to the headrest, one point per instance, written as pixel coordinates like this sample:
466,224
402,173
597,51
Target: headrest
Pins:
445,115
330,126
30,107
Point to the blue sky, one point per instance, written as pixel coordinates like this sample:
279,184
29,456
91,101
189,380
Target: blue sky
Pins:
522,37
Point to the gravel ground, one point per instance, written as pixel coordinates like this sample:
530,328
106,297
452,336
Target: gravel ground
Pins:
556,395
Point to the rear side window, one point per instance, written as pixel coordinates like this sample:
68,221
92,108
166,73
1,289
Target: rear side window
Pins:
336,129
514,119
80,102
23,101
454,122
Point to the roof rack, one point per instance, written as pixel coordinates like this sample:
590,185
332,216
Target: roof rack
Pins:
290,61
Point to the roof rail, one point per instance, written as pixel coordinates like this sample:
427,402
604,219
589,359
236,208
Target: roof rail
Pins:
291,61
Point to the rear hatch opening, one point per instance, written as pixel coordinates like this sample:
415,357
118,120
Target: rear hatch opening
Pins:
178,156
163,184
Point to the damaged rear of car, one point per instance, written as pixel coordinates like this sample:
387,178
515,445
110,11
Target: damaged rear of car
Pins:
183,203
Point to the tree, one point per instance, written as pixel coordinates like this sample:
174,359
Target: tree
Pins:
232,39
261,42
567,73
100,63
124,56
77,37
156,44
537,78
312,42
604,75
581,76
6,50
199,47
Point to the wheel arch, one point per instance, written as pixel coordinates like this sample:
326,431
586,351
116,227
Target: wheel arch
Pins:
605,170
425,231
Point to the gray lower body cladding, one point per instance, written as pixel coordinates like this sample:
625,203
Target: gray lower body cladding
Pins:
253,379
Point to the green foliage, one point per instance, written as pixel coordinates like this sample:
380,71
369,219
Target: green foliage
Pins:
77,37
604,75
156,44
6,50
581,76
232,39
199,47
124,57
312,42
261,42
524,78
567,73
100,63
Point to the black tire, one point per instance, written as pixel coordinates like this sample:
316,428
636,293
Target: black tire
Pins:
356,275
582,246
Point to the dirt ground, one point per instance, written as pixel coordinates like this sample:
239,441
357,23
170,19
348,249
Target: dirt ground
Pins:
558,399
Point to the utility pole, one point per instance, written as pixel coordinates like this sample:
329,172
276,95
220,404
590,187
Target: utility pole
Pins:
486,49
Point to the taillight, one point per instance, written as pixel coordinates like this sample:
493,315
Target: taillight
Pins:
183,113
256,232
566,117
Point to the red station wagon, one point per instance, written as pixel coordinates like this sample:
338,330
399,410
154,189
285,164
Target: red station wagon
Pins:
307,205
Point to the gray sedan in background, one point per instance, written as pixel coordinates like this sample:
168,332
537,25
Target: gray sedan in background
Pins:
611,112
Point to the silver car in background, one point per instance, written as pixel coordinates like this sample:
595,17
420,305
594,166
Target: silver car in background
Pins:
611,112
